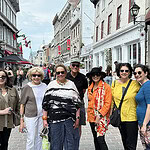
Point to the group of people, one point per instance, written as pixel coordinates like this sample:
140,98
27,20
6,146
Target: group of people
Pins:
59,106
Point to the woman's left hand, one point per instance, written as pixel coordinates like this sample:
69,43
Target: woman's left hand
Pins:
97,119
76,124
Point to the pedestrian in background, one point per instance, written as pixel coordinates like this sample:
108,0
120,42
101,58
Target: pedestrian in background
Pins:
31,108
61,107
20,74
9,100
47,75
129,125
99,105
142,75
81,83
108,78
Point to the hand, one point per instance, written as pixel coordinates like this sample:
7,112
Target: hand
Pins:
45,124
76,124
21,126
7,111
143,129
97,119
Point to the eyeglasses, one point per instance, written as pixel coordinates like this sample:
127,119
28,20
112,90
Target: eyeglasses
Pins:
3,77
77,65
36,75
96,74
60,72
139,73
124,71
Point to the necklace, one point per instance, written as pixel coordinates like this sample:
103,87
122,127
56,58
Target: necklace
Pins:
61,83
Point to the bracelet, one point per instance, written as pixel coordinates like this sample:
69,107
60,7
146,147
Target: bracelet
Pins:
44,117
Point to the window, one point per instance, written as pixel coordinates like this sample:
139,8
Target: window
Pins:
130,4
119,16
97,60
119,54
103,4
97,10
102,29
109,23
1,30
96,33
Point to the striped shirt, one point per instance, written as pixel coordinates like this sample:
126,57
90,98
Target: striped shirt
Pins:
61,101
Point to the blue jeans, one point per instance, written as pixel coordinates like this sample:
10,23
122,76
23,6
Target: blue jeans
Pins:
63,134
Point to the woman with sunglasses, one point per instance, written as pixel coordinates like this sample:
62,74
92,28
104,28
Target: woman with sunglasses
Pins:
142,75
129,126
9,101
61,107
31,108
99,105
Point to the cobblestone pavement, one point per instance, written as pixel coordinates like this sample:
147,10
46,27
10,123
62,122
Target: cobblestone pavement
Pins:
17,140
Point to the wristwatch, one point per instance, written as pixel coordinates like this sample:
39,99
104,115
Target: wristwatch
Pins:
78,117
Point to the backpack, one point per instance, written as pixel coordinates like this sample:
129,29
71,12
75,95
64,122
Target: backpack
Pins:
46,76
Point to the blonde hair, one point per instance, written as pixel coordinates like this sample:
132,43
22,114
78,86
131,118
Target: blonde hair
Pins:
34,70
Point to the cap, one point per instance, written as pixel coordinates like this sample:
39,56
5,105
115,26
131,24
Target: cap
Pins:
75,60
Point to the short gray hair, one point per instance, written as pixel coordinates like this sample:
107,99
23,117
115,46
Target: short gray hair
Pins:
34,70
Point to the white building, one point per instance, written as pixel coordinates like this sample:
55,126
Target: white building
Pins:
8,11
116,38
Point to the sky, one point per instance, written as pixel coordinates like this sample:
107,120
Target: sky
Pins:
35,21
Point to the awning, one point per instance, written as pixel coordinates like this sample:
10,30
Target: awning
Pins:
147,18
8,52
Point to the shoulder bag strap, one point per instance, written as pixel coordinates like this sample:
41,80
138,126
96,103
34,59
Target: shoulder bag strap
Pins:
124,93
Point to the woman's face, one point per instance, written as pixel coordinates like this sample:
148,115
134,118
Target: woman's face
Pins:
140,75
60,74
96,77
3,78
36,78
124,72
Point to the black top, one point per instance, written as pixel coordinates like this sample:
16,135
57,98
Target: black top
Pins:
80,81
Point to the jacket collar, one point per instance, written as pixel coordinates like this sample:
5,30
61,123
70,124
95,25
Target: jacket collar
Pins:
99,84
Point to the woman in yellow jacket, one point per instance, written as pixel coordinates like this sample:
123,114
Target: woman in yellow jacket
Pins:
99,104
129,125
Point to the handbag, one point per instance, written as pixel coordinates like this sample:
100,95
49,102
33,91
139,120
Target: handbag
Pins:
115,118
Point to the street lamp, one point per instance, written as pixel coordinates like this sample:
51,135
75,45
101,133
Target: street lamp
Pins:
134,12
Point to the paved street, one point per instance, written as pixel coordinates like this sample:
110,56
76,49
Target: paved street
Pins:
18,140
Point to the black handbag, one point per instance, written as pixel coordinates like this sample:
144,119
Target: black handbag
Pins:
115,118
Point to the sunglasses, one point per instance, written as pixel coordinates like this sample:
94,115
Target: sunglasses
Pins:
60,72
139,73
77,65
36,75
3,77
124,71
96,74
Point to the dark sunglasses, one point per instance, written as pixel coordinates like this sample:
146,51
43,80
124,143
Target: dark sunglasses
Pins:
96,74
124,71
60,72
77,65
36,75
3,77
139,73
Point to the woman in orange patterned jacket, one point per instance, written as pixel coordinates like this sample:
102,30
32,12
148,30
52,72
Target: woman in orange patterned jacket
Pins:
99,104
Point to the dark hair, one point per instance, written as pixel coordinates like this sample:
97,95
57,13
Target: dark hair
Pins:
144,68
7,78
124,64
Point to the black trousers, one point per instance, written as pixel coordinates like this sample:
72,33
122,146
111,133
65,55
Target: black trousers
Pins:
129,134
99,142
4,137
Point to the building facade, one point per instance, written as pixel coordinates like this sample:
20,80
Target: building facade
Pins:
116,37
8,11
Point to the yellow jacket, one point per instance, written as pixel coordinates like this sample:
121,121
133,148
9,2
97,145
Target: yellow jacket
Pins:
128,108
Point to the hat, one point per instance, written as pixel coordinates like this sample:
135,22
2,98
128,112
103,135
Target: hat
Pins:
75,60
96,70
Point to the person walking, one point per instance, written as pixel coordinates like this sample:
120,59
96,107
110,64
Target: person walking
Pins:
129,125
20,74
61,107
99,106
31,108
9,101
47,75
81,83
142,75
108,78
